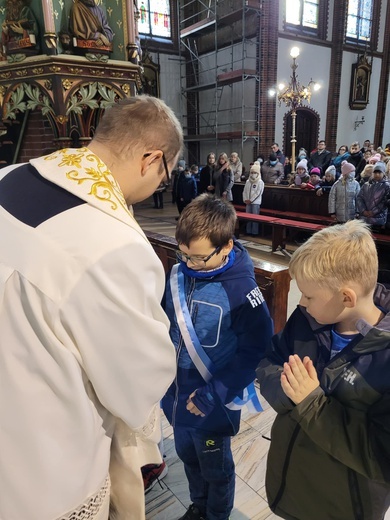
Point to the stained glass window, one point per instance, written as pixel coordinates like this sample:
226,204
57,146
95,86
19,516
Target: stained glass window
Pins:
302,13
155,19
359,19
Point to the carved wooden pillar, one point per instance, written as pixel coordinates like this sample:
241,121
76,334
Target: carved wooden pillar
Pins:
49,36
132,47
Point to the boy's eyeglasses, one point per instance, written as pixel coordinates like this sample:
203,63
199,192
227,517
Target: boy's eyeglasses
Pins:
196,260
168,175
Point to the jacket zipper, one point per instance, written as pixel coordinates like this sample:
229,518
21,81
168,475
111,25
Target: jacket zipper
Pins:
356,499
285,468
188,299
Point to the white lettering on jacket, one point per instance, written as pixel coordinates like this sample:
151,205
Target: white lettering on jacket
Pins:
255,297
349,376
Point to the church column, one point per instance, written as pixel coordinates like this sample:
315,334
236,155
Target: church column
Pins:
268,73
132,47
49,36
383,86
336,62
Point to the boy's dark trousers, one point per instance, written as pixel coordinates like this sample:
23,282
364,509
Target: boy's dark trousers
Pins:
209,467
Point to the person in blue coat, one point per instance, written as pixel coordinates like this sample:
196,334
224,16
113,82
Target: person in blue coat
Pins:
186,190
220,326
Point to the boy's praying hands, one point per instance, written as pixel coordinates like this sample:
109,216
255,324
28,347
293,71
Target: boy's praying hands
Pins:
299,378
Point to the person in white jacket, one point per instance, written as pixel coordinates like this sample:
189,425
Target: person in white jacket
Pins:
342,203
85,352
252,194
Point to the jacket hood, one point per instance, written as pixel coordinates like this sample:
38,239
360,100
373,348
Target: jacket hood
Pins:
239,265
382,181
381,300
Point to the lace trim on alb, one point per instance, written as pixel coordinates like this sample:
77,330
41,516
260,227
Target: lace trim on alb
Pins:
150,426
90,509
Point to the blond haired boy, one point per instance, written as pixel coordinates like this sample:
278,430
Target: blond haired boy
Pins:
327,376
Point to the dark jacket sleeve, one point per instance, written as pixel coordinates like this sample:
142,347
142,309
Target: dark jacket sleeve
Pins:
269,371
204,179
297,337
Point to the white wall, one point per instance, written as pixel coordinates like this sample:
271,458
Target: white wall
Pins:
346,133
313,63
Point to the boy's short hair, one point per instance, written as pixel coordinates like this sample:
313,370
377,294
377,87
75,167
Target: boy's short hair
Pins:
338,255
209,217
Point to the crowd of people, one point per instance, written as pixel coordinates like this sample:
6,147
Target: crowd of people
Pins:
356,179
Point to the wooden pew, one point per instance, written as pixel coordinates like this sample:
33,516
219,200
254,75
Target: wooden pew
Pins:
283,198
293,215
279,227
273,280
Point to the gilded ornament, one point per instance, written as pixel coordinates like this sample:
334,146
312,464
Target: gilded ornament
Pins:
22,72
117,74
38,70
103,186
126,88
66,84
5,75
62,119
97,72
54,68
75,70
48,84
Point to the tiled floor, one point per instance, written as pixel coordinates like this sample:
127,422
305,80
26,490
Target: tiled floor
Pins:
169,499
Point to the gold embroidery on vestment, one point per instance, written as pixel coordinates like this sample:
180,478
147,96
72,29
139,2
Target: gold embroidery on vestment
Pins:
103,185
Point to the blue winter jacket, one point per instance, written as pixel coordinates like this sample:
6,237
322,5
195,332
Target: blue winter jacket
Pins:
232,322
373,196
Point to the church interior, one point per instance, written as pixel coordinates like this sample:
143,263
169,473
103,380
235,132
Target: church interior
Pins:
242,76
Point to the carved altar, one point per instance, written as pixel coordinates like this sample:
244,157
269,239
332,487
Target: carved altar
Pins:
69,90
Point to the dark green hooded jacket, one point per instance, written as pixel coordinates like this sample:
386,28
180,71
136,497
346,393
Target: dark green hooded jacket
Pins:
330,455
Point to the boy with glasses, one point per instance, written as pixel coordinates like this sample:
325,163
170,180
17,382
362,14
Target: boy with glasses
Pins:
220,326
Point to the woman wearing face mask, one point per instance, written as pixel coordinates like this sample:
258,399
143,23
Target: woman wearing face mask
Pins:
273,171
302,154
343,155
252,194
